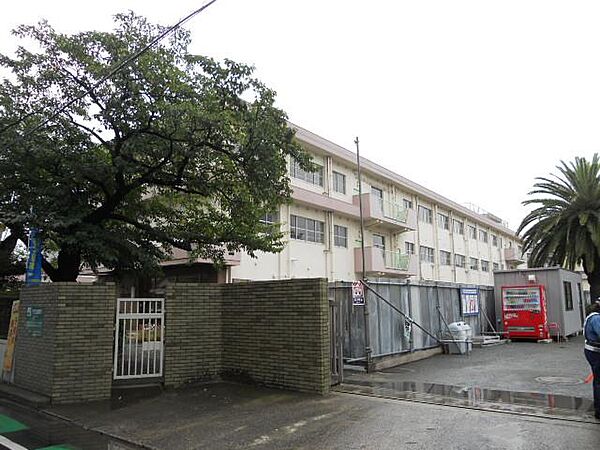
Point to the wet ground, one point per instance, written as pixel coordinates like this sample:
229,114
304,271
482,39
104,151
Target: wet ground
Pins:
23,428
524,396
235,416
545,380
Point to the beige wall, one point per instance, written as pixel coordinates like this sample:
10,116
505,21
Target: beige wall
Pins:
302,259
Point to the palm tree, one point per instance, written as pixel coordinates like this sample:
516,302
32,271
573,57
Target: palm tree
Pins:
564,228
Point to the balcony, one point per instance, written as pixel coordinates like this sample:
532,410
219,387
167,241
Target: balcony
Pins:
180,256
383,263
513,256
386,214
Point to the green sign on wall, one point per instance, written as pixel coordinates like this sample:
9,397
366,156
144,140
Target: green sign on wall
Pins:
34,320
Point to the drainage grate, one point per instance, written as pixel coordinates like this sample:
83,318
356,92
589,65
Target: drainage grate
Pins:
558,380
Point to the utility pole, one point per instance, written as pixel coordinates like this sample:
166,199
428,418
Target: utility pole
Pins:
364,275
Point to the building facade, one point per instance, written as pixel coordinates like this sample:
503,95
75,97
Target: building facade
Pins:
410,231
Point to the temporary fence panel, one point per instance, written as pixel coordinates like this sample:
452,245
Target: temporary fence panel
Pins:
429,305
336,344
139,335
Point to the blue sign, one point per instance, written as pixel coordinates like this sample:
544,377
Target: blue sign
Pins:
469,301
33,274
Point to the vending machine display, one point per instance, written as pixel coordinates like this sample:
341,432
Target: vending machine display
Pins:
524,312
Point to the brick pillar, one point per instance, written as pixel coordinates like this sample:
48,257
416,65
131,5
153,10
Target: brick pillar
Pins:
64,346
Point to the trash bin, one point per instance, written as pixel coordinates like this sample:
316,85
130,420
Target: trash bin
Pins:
460,339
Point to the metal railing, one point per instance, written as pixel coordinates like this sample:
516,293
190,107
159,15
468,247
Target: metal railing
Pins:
396,260
389,209
139,338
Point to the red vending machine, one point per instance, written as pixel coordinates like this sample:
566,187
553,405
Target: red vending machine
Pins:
524,312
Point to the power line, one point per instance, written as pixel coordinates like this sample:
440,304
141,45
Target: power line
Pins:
105,78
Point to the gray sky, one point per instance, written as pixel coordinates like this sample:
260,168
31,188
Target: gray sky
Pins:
472,99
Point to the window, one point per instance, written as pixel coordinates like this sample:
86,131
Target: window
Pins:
425,214
459,261
340,236
483,236
496,266
500,242
568,296
473,264
308,230
445,258
443,221
339,182
315,177
494,240
472,232
376,192
459,227
410,248
427,254
379,241
408,204
270,218
485,266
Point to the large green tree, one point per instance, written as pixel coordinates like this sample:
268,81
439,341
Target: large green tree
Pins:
175,150
564,227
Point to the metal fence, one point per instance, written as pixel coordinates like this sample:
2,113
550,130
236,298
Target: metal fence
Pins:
139,338
428,305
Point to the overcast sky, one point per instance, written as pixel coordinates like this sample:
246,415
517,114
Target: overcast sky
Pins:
472,99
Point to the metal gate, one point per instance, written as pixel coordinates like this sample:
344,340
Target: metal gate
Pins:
139,338
336,344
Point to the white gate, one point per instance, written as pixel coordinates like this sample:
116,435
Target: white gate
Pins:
139,338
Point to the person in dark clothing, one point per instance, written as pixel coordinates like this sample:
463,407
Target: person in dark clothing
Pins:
591,331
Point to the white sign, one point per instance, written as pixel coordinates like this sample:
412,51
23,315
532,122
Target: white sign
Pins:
358,293
469,301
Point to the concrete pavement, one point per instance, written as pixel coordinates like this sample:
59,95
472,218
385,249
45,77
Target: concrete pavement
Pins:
234,416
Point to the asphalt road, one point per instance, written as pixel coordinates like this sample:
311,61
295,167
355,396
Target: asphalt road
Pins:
23,428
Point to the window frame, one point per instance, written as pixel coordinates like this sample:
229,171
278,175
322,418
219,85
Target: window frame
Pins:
473,263
472,232
425,214
315,178
335,181
377,245
307,230
443,221
445,258
486,264
568,292
483,236
426,254
337,237
461,228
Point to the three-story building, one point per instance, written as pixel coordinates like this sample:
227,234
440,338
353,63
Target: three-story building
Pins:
410,231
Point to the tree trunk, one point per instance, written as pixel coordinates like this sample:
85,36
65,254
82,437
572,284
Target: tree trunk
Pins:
594,280
69,262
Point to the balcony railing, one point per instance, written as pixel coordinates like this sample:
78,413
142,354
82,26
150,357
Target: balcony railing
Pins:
386,213
380,262
512,255
396,260
388,209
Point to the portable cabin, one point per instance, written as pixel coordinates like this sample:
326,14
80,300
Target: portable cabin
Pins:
565,305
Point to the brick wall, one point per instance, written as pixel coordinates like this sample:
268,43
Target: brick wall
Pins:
34,356
273,332
276,332
193,336
72,359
